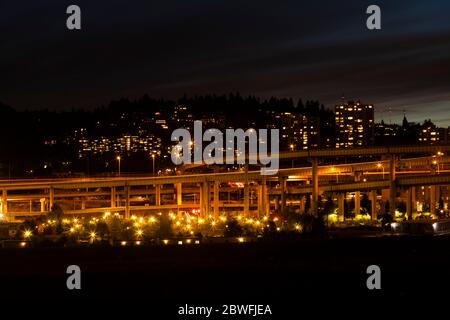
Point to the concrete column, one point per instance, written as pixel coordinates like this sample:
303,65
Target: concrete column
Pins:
413,199
42,201
179,188
409,203
433,199
302,204
384,198
373,204
4,202
261,199
51,199
448,197
113,197
426,197
157,194
357,202
205,199
127,202
202,201
341,201
216,199
393,186
315,187
357,195
246,200
208,197
283,193
438,194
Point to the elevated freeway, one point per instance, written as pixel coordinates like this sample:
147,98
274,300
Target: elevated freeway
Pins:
245,191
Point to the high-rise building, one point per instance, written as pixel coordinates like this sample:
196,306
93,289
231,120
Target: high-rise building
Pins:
354,124
299,131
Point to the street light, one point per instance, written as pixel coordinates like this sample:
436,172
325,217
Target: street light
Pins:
153,158
333,169
118,159
379,165
439,154
436,163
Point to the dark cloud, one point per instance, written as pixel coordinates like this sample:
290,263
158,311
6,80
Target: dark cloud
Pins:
315,50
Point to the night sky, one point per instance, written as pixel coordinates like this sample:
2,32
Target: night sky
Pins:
308,49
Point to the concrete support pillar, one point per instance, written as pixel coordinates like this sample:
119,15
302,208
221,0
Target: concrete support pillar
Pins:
283,193
409,204
261,203
216,199
426,197
266,199
4,202
448,197
205,199
438,195
357,195
51,198
357,203
246,200
302,204
179,188
341,202
373,204
127,202
259,199
202,200
384,198
393,186
413,199
315,187
433,199
157,194
208,197
42,201
113,197
263,199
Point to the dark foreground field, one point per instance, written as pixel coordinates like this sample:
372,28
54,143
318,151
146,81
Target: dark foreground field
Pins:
294,277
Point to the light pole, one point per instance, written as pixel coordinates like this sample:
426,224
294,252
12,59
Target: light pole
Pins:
118,159
153,160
